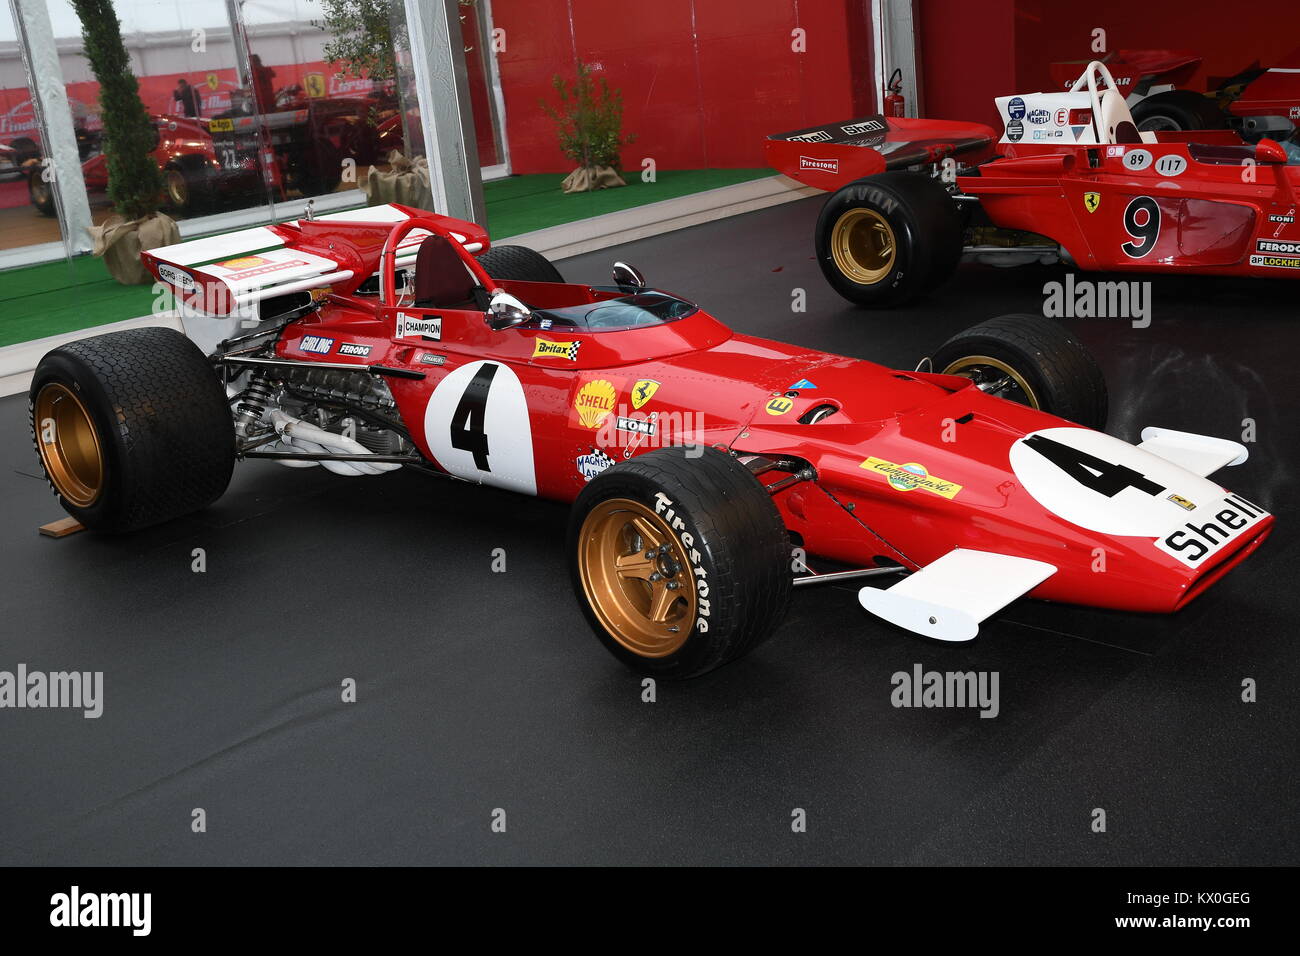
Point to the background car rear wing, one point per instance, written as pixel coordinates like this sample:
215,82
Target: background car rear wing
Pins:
338,252
831,156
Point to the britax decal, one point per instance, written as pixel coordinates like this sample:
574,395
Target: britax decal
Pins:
819,165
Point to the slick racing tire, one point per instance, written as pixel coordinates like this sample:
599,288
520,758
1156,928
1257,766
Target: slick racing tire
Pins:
519,263
1030,360
132,428
886,239
681,564
1177,110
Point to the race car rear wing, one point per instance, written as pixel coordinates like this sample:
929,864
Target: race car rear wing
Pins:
337,252
836,154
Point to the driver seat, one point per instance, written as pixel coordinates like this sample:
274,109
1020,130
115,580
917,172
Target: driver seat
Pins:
1117,123
441,279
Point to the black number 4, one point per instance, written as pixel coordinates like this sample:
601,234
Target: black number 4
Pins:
467,423
1103,477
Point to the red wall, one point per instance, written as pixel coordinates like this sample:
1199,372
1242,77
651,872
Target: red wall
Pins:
703,81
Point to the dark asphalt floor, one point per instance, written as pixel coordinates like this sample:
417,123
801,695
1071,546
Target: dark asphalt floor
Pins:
479,691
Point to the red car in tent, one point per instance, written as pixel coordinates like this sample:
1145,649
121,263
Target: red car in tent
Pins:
191,167
1070,177
694,457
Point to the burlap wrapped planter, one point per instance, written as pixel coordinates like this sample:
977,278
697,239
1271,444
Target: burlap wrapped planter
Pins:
405,181
119,243
586,179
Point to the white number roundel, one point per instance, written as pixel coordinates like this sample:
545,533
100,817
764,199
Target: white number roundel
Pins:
1106,485
477,427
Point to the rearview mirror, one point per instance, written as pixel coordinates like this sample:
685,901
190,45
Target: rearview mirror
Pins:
628,278
505,312
1270,151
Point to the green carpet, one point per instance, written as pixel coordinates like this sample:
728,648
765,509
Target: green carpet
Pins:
36,301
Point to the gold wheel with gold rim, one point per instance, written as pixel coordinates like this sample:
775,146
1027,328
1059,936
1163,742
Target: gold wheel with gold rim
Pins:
863,245
636,577
69,444
996,377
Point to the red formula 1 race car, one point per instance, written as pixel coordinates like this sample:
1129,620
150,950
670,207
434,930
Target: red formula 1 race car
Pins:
1071,177
695,458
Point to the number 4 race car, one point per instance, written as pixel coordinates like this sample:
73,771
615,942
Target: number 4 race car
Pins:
1071,178
695,458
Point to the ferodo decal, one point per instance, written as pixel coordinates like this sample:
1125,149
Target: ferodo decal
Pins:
1274,246
1108,486
593,402
910,477
1142,223
477,427
664,508
643,391
778,406
1091,201
544,348
352,348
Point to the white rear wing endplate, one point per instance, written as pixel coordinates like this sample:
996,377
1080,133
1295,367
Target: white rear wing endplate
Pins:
948,598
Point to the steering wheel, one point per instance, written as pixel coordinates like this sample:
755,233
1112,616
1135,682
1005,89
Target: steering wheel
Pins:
388,258
1089,78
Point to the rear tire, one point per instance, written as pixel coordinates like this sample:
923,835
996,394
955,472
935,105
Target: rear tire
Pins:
887,239
1177,110
519,263
1050,370
132,428
715,533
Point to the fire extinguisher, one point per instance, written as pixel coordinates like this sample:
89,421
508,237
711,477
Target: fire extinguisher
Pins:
894,104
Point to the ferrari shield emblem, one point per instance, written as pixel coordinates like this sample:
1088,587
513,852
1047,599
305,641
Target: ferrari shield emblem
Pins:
1091,201
643,391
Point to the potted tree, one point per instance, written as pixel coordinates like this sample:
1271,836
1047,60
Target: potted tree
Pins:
589,122
129,138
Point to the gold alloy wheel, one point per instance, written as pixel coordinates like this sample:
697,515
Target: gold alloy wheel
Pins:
863,246
984,370
178,190
69,445
636,577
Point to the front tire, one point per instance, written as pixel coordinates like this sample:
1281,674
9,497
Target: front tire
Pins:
887,239
681,564
132,428
1032,361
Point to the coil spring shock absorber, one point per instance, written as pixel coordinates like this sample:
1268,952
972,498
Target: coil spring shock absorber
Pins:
252,405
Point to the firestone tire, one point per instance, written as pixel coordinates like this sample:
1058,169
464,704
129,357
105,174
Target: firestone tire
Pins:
712,530
887,239
1177,110
132,428
1047,364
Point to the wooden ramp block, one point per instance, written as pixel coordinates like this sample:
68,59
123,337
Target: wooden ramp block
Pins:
62,528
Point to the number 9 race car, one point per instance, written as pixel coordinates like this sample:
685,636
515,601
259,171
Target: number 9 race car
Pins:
1071,178
696,459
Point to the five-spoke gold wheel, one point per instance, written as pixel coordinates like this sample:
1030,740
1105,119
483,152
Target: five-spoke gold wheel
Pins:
863,246
637,577
69,445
